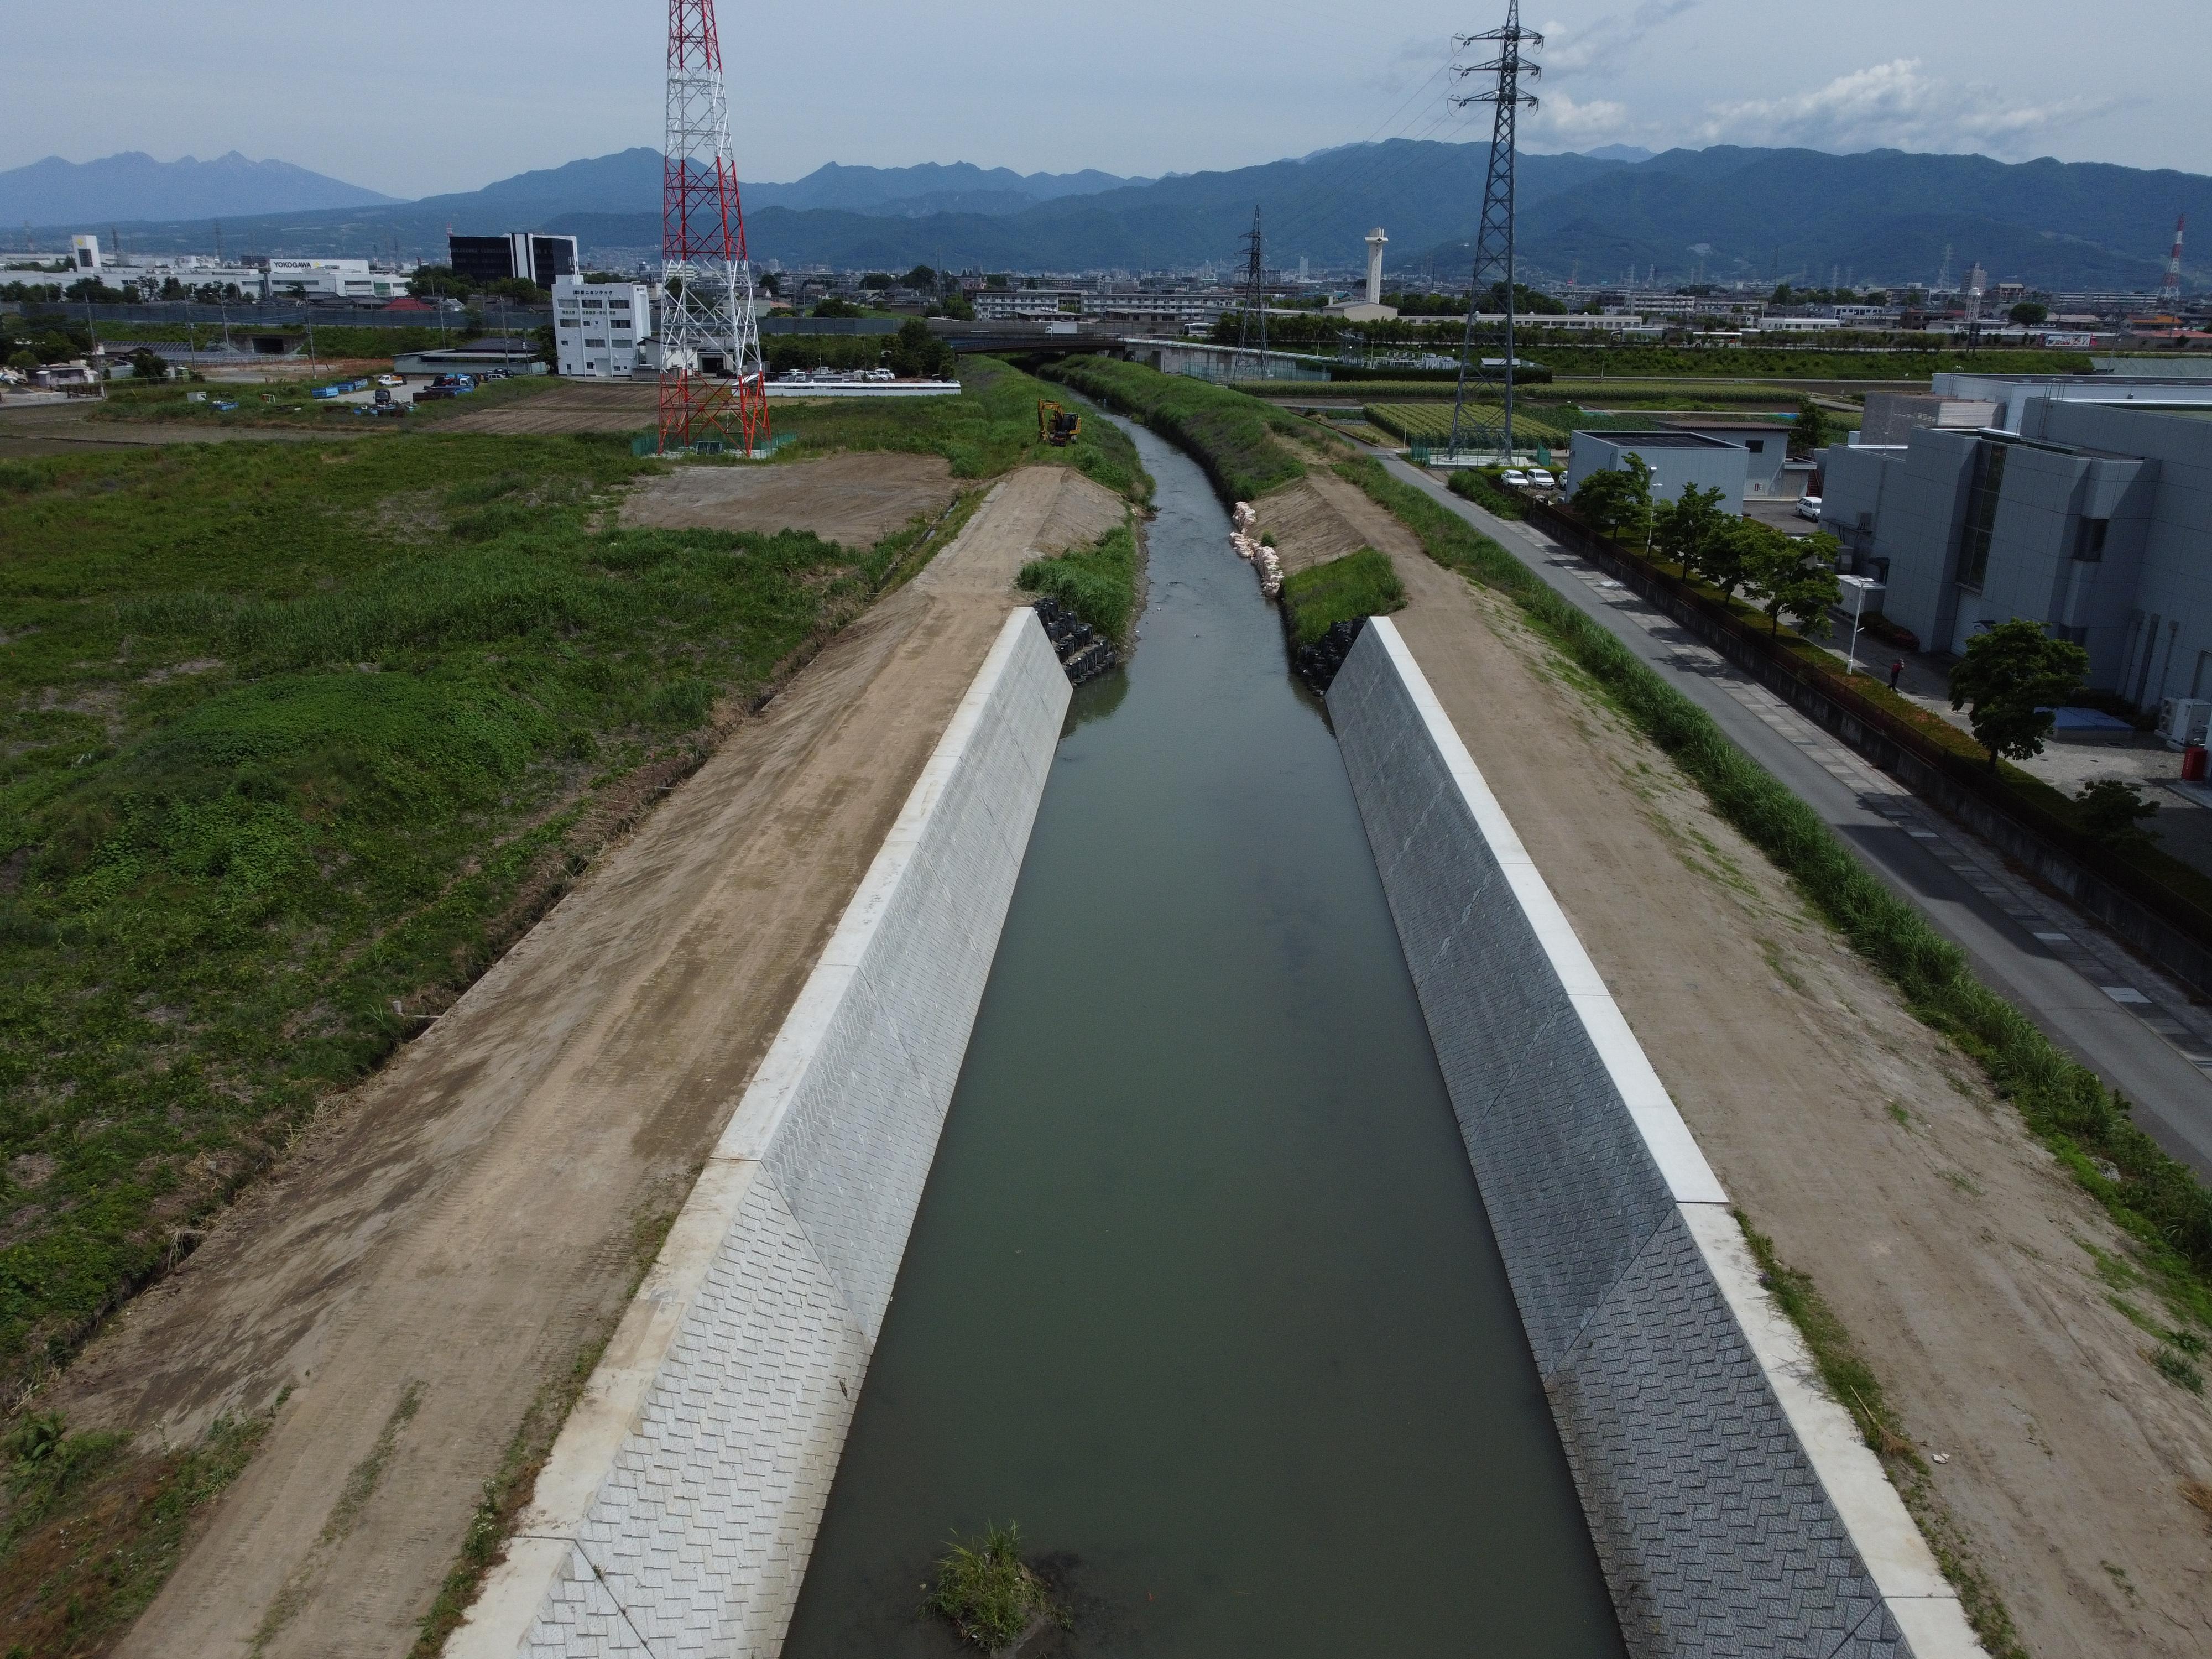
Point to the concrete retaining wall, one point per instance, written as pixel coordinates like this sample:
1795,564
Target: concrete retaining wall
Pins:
679,1506
1734,1508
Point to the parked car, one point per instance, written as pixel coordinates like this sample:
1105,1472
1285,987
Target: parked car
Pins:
1515,476
1540,479
391,379
1809,506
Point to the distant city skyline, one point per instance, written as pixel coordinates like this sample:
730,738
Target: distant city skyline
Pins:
415,99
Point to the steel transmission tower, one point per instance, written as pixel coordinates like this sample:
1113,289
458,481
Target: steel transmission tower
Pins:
1493,240
712,383
2169,291
1254,317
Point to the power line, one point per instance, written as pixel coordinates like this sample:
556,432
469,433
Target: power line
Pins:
1493,245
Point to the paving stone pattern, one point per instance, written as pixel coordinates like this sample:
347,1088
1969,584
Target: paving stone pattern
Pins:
1715,1534
699,1536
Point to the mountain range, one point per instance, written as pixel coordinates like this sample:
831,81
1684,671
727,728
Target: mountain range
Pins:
1724,213
133,185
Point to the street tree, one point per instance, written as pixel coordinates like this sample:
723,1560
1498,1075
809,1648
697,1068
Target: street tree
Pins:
2011,678
1682,528
1789,577
2028,313
1809,433
1618,502
2110,809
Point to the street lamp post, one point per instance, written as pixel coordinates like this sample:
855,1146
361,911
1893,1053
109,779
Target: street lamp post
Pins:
1861,585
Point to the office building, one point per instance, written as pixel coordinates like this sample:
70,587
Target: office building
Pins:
599,327
2092,518
526,254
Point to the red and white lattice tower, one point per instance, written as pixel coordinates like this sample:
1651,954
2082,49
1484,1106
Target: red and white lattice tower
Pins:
2169,293
711,380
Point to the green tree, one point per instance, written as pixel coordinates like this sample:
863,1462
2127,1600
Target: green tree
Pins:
922,276
877,281
2011,677
23,360
958,307
1681,528
831,306
916,354
148,365
437,281
1617,503
1809,433
2110,808
1790,578
2029,313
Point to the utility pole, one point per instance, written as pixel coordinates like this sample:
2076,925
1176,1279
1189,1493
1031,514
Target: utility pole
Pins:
1255,313
1493,242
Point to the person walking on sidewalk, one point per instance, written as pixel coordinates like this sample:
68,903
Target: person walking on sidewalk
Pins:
1895,669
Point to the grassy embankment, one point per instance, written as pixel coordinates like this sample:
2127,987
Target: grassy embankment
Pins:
297,739
1098,583
1360,584
2158,1202
1238,439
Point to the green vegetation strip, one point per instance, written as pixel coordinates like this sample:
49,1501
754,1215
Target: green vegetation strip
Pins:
988,1593
2157,1201
1098,583
296,739
1360,584
1237,439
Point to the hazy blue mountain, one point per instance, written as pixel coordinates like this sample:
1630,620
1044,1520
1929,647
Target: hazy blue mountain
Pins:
1620,153
1755,215
89,195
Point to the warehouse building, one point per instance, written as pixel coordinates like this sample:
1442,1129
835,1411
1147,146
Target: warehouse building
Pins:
600,327
2092,519
1677,460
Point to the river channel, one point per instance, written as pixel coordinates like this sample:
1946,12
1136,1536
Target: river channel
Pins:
1201,1293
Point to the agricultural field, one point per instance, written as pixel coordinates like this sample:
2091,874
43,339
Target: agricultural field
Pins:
296,738
1429,425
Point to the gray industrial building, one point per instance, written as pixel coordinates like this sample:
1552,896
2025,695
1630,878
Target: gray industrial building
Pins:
1677,460
1767,468
2094,518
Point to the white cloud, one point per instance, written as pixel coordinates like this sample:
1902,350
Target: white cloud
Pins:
1605,40
1896,106
1573,122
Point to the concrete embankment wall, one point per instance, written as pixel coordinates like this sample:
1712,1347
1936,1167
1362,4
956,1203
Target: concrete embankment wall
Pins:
680,1504
1733,1505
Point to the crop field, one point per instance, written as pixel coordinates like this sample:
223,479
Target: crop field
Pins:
1429,424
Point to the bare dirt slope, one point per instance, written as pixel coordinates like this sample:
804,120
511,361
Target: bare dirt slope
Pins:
1321,517
463,1226
1951,1246
855,498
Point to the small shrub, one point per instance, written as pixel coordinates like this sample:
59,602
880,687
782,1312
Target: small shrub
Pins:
986,1591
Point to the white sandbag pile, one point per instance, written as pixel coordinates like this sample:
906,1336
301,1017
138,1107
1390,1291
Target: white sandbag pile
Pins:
1250,547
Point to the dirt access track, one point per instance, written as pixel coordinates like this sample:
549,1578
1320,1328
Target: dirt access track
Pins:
1875,1155
463,1226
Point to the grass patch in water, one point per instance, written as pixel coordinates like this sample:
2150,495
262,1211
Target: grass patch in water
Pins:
1098,583
986,1592
1360,584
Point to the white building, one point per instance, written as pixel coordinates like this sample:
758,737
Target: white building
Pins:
598,328
330,279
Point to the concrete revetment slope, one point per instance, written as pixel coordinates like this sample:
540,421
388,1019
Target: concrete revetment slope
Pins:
1734,1506
679,1505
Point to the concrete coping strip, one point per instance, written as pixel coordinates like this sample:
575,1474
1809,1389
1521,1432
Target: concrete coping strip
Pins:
1897,1556
613,1399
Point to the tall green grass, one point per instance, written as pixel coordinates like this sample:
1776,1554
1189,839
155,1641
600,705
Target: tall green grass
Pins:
1237,439
1098,582
2155,1198
1360,584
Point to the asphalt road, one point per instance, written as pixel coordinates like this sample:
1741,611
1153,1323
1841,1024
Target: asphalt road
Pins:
1967,896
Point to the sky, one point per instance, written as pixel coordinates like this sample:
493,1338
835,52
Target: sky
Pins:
413,98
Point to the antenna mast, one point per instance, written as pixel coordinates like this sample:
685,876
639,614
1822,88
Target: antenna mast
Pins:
1254,317
712,381
1493,241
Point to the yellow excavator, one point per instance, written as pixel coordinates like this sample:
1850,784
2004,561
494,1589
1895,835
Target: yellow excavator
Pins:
1055,426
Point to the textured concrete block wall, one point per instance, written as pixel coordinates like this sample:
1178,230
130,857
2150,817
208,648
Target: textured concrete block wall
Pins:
680,1504
1731,1505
